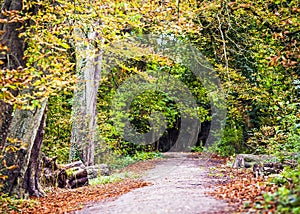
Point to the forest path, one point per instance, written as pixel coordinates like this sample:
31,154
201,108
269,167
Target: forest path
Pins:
180,182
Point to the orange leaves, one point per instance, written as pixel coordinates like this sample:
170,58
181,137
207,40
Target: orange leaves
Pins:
66,200
3,47
12,80
289,56
12,167
14,16
243,188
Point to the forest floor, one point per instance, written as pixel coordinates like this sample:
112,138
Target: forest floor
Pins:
177,183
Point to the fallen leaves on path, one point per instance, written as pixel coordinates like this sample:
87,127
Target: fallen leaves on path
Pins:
66,200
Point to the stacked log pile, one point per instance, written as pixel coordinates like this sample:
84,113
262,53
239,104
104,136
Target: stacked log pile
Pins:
71,175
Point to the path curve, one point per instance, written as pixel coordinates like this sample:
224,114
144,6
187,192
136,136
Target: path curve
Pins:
179,184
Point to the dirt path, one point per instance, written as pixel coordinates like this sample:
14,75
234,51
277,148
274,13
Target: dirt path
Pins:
179,185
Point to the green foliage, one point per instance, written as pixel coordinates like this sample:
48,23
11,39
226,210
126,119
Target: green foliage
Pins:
287,197
141,156
117,177
197,149
58,129
254,46
144,104
290,131
231,143
123,161
106,179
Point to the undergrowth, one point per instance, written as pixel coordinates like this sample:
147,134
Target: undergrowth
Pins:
287,198
123,161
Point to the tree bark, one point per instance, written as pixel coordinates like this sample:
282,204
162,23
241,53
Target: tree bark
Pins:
28,128
12,59
5,120
22,134
84,109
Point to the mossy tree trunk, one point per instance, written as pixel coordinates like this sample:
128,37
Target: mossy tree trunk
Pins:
88,58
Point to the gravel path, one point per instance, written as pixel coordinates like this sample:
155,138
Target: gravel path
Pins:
179,183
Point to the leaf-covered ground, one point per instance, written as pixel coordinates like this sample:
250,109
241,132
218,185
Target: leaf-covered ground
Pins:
66,200
63,200
241,189
236,186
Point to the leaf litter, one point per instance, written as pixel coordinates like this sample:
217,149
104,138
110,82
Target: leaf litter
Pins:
68,200
238,187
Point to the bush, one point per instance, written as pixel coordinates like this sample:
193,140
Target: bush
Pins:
287,197
231,141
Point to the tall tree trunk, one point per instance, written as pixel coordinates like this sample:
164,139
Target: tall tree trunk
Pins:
21,134
12,60
84,109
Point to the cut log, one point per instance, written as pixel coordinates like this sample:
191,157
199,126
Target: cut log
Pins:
77,173
97,170
71,175
262,165
77,178
265,169
78,182
248,160
73,164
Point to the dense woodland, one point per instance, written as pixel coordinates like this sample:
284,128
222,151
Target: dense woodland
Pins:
56,93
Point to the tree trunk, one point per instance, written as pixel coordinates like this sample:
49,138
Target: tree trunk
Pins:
84,109
27,127
5,120
12,59
22,134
